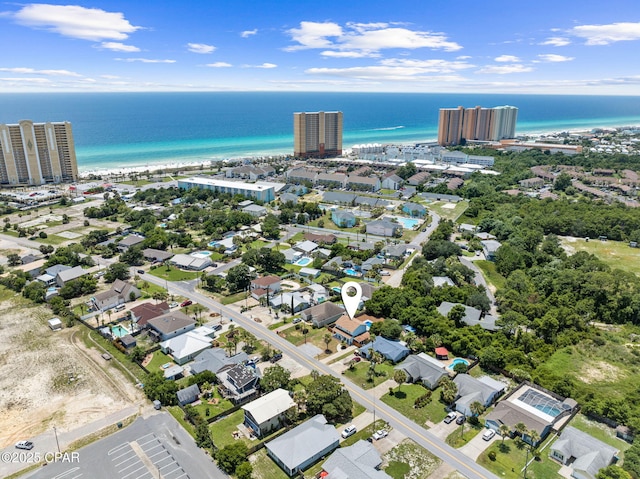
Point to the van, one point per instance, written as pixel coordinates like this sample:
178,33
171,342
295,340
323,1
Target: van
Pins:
276,357
120,307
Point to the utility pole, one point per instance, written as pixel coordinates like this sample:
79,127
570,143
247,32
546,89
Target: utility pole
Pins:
55,432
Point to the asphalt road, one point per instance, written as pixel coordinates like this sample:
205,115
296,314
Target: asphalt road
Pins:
405,426
143,450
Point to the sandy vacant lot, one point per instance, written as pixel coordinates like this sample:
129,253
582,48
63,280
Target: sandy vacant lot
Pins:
50,378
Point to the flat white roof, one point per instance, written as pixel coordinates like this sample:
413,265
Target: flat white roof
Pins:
230,184
269,405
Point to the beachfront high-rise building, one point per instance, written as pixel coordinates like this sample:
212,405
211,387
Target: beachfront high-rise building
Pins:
457,125
318,134
37,153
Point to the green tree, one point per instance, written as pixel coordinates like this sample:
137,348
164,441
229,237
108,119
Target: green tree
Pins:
326,395
275,377
456,314
231,456
562,181
271,227
244,470
117,271
400,377
504,431
133,256
157,387
203,436
476,408
35,291
613,472
238,278
13,259
327,340
448,390
389,329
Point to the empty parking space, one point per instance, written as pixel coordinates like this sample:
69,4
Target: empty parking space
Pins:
162,459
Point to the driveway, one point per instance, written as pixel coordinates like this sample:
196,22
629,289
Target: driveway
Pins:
477,445
441,430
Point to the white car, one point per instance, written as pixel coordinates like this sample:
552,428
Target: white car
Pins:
385,273
380,434
450,417
174,304
488,434
28,445
349,431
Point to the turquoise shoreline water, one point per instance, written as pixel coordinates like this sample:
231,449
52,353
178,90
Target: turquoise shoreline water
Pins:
123,130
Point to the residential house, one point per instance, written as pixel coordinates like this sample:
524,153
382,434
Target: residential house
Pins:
267,413
32,268
255,210
396,251
322,253
358,461
363,183
188,395
334,265
265,286
332,180
351,331
50,274
64,276
303,445
442,281
490,248
584,454
441,197
322,314
408,192
307,247
484,236
216,360
419,178
142,313
128,341
288,198
184,347
291,255
318,292
384,227
151,254
339,198
343,218
239,383
423,368
193,263
367,291
442,353
121,292
368,201
532,183
455,183
415,209
484,390
309,272
294,301
394,351
321,239
170,325
392,182
301,175
361,246
129,241
369,264
472,316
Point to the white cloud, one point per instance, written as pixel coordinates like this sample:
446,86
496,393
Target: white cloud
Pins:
119,47
507,59
551,58
248,33
505,69
267,65
144,60
33,71
427,66
463,57
365,38
348,54
606,34
200,48
75,21
110,77
219,65
27,80
556,41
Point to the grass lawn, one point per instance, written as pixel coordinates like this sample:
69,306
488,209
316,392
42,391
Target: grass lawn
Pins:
459,438
510,464
220,405
54,240
408,459
173,273
490,273
358,374
148,288
342,357
600,431
264,467
222,430
179,415
159,358
122,361
314,336
232,298
446,213
403,400
365,433
616,254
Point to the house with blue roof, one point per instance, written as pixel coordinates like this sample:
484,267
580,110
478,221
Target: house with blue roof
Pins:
343,219
414,209
394,351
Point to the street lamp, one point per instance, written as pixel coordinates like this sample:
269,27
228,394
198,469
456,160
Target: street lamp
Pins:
55,432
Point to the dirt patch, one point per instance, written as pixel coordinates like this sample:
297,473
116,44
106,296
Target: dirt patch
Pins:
50,377
597,372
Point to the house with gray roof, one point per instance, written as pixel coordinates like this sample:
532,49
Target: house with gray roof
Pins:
394,351
363,183
194,263
471,315
442,281
415,209
370,263
423,368
338,198
267,413
392,182
156,254
216,360
332,180
322,314
343,218
289,198
384,227
255,210
584,454
239,383
129,241
395,251
170,325
63,277
120,292
484,390
358,461
490,248
188,395
303,445
371,202
306,247
291,255
301,175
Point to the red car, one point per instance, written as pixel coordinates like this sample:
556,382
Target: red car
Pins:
186,303
356,359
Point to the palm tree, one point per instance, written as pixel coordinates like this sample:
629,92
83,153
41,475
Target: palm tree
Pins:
300,398
400,377
327,340
520,429
448,390
476,408
109,313
504,430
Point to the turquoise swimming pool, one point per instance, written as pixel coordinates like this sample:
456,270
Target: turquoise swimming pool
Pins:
304,261
119,331
458,361
407,223
351,272
201,254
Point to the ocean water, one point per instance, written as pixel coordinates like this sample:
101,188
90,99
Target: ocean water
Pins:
121,130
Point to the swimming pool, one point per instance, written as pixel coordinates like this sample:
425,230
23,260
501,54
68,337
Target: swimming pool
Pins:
201,254
351,272
304,261
212,244
119,331
407,223
458,361
337,289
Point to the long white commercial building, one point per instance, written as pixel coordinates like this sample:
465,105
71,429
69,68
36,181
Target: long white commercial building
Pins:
261,191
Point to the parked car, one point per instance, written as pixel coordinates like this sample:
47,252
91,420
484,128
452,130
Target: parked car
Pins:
349,431
380,434
186,303
461,419
140,271
28,445
174,304
385,273
488,434
106,356
276,357
356,359
296,320
450,417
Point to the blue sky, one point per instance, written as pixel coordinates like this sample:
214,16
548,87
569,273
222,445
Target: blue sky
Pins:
564,47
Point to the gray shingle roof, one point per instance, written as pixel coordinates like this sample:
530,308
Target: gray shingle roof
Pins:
590,454
421,369
215,360
358,461
188,394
